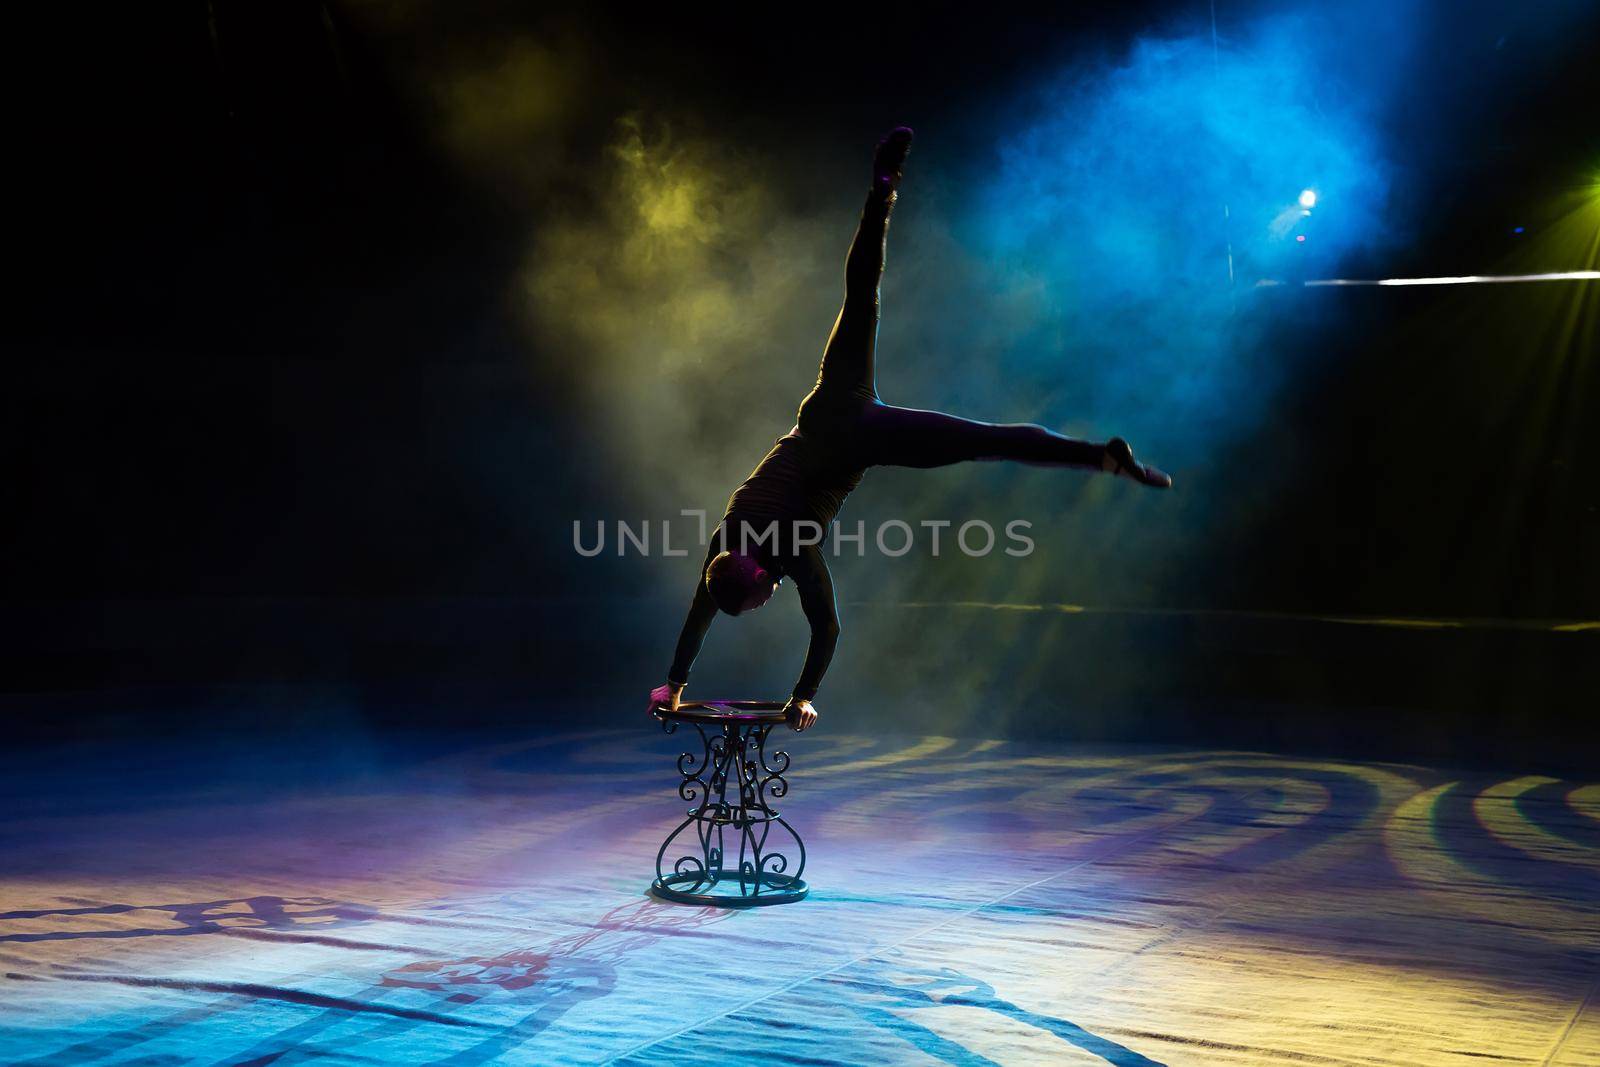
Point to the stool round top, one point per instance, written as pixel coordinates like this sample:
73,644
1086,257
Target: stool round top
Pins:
717,712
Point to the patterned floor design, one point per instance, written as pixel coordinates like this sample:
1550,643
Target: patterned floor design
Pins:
974,902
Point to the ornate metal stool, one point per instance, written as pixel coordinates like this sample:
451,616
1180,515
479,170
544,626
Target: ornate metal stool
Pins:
732,755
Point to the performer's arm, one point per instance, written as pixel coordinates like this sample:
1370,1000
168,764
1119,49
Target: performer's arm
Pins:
815,585
701,611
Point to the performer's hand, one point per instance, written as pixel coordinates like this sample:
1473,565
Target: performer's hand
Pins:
1119,459
665,696
800,713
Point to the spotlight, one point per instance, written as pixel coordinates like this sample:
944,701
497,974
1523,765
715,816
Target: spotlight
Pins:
1308,198
1516,229
1301,238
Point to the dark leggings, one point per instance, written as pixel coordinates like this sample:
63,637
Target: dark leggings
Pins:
843,409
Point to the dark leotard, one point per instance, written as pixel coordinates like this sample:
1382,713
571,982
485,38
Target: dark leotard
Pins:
842,429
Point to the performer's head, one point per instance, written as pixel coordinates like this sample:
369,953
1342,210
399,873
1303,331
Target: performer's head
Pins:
738,582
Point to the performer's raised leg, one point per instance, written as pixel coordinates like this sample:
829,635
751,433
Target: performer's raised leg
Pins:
848,370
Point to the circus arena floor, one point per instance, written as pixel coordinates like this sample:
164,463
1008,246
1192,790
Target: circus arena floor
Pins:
474,899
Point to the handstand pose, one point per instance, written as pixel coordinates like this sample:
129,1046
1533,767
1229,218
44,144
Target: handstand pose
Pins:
776,519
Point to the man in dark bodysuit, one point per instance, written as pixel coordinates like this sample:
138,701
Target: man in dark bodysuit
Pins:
777,519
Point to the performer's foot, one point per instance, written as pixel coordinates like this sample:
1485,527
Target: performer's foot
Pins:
800,714
889,161
1119,459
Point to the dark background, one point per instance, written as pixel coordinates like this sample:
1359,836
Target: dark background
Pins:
282,450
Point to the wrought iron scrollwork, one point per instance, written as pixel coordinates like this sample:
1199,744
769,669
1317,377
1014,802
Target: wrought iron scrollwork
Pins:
731,782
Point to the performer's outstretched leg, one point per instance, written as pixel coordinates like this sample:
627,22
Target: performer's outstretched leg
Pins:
843,408
907,437
848,371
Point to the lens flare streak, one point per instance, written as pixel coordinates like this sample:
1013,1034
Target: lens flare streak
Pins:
1463,279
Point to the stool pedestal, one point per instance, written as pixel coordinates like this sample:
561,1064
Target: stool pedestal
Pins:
739,850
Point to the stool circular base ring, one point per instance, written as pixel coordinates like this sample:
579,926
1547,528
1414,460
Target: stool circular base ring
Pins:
775,889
